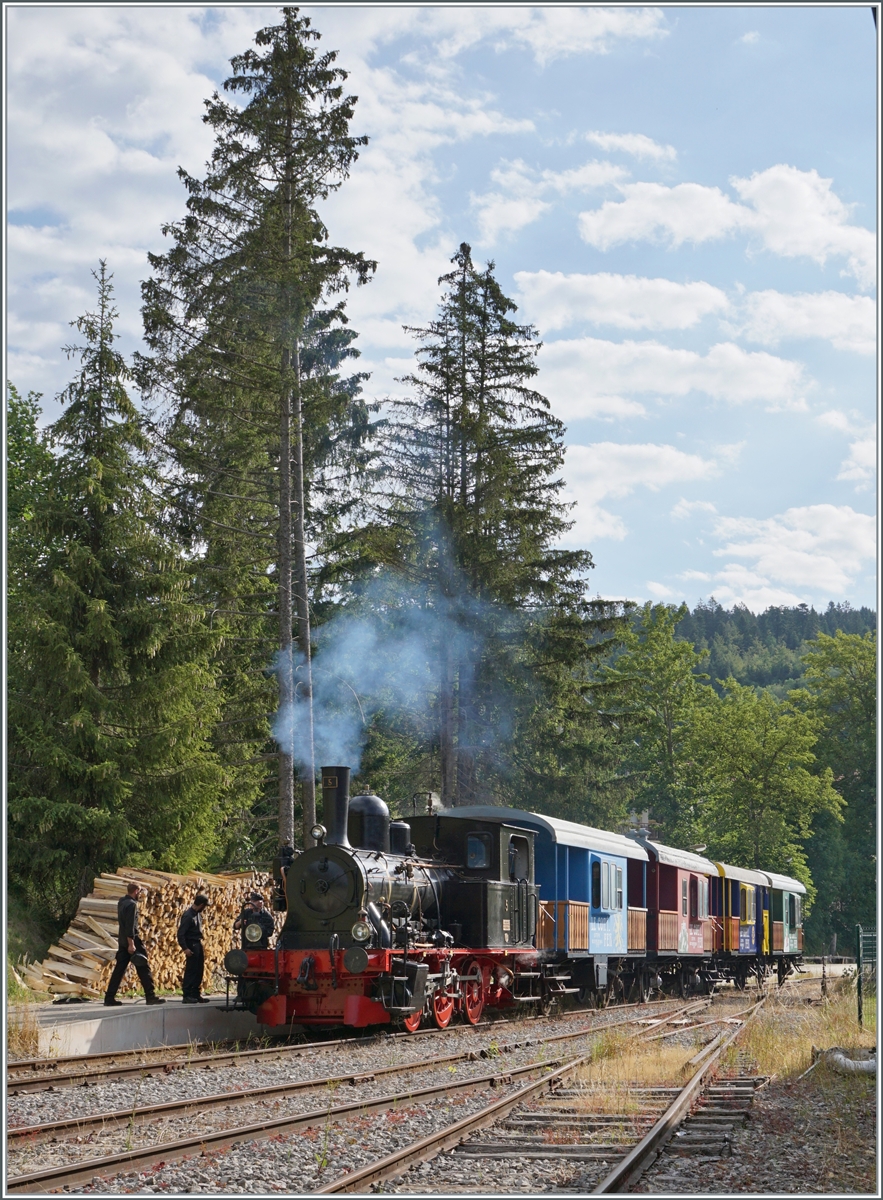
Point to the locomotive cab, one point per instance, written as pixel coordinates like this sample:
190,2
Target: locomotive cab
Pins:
491,899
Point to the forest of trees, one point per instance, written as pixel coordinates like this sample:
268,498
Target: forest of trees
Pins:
225,567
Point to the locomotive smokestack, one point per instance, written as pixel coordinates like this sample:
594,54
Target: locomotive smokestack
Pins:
335,804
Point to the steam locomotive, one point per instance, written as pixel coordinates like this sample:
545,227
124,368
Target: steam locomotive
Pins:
395,923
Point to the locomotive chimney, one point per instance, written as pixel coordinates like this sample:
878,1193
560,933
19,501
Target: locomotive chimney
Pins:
335,804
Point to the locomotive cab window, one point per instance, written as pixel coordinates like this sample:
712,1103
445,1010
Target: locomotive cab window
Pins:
519,858
478,851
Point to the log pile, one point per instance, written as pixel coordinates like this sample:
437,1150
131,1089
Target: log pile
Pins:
80,964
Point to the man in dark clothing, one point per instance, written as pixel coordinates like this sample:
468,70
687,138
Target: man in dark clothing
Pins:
190,941
256,914
131,949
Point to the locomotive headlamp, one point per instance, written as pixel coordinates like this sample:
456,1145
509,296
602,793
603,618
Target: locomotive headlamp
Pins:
253,933
318,832
361,931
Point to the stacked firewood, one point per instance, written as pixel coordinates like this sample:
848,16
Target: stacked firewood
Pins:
79,965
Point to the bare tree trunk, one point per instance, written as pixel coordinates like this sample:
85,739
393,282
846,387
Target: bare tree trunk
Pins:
446,730
286,664
302,600
465,758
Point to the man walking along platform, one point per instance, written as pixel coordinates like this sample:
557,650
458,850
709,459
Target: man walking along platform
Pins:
190,941
130,950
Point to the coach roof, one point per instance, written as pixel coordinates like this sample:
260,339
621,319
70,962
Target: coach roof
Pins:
784,883
564,833
742,874
684,859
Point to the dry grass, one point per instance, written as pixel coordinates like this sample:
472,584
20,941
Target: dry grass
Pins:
22,1036
782,1035
619,1062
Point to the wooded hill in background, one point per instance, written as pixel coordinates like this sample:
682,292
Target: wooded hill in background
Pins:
765,649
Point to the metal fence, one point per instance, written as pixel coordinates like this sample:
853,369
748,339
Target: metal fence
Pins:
865,966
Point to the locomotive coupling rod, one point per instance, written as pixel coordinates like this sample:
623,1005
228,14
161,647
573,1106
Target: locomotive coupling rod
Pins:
429,1147
617,1181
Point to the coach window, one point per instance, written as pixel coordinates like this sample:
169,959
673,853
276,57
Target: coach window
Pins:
683,897
792,911
519,858
694,898
618,897
478,851
596,884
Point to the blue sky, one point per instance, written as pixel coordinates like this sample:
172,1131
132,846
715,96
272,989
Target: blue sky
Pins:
682,200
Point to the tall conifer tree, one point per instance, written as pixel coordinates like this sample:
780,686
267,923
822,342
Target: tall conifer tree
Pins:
476,455
247,340
111,695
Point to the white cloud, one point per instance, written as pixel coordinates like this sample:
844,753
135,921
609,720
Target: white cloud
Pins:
794,213
636,144
861,465
797,214
820,548
659,590
686,508
701,576
611,470
835,419
578,373
687,212
750,38
519,202
735,584
848,322
554,300
550,33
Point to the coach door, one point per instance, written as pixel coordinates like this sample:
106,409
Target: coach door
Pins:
520,875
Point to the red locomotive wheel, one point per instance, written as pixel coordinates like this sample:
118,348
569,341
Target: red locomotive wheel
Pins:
472,992
412,1023
442,1008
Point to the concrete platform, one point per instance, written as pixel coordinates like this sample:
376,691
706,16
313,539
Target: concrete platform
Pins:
90,1028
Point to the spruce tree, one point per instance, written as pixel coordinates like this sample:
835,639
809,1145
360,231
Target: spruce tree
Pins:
247,336
111,689
475,457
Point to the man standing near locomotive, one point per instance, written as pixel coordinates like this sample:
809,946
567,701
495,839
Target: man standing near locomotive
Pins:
190,941
255,914
130,950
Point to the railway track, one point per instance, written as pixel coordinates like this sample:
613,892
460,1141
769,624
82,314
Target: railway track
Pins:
38,1074
538,1122
136,1119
